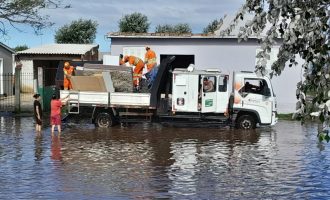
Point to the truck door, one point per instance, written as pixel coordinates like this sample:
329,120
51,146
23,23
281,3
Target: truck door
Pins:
180,89
208,94
256,95
222,94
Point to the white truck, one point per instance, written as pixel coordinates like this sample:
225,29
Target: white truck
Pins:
242,100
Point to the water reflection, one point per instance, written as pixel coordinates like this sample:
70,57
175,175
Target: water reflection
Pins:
38,146
150,162
56,147
164,161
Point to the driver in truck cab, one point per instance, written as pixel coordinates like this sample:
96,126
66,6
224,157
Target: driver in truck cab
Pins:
208,85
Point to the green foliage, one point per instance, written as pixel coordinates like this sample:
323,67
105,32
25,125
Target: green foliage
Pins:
134,23
21,48
166,28
78,32
324,136
181,28
213,26
27,12
285,116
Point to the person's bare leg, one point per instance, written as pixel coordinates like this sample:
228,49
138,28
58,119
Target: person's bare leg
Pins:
39,128
53,127
59,128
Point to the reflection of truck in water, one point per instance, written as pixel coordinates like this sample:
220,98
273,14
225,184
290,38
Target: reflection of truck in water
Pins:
178,97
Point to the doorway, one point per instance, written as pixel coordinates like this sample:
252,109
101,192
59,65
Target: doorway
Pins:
181,61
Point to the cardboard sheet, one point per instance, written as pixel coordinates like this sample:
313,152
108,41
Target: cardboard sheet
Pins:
121,77
88,83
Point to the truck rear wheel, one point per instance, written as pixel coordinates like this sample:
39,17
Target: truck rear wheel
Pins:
104,120
246,122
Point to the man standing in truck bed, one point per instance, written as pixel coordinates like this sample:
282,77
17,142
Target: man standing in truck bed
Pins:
68,72
137,73
151,62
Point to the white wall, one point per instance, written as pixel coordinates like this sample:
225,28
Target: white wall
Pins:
227,55
27,76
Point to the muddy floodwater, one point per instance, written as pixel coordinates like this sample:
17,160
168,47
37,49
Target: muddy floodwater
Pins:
149,161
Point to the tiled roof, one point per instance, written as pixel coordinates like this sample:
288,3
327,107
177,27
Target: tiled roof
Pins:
71,49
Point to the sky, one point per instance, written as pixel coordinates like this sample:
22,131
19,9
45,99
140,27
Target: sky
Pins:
197,13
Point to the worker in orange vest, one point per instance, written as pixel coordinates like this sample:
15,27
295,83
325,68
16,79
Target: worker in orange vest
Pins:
150,60
68,72
137,73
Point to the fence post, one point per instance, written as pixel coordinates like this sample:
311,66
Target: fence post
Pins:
17,89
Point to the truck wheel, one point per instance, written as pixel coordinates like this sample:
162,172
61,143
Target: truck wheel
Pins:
246,122
104,120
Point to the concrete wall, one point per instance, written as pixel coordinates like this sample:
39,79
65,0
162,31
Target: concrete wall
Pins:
27,76
226,54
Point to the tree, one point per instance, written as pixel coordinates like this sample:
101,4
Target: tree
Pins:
27,12
213,26
166,28
182,28
176,29
134,23
78,32
20,48
304,29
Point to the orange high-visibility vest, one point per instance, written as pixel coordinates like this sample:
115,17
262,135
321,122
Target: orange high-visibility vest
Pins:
139,65
150,59
66,82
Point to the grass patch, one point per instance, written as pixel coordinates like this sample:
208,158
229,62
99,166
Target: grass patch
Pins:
285,117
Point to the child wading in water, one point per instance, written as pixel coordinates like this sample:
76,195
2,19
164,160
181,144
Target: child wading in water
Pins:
37,112
55,113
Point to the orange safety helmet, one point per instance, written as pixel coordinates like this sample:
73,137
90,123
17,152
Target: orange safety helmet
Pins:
66,64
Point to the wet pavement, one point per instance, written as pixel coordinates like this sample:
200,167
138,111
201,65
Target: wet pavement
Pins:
149,161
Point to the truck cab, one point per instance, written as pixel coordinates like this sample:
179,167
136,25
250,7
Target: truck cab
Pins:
254,100
249,101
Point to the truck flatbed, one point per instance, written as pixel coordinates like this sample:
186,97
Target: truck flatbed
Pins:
107,99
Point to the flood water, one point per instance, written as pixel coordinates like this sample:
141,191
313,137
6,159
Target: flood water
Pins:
149,161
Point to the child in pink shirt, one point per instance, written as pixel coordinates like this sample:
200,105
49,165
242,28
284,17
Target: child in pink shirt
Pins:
55,113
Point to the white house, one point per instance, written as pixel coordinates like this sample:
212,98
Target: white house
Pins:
7,60
48,57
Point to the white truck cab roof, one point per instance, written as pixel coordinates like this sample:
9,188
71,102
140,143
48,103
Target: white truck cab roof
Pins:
197,72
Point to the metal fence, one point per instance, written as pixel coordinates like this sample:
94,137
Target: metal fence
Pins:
8,92
26,91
